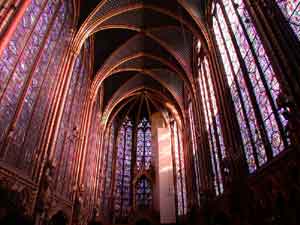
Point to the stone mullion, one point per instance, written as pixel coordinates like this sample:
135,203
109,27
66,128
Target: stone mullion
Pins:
201,137
289,42
203,154
133,161
54,117
232,136
189,166
77,155
96,128
77,167
105,158
71,95
22,51
97,173
78,137
214,127
269,96
281,49
25,86
240,95
123,168
45,77
84,147
113,177
47,118
144,147
84,178
69,119
243,68
271,41
96,156
197,157
7,30
258,116
174,167
68,116
212,151
198,119
99,165
86,151
97,169
103,173
180,167
56,180
221,95
35,106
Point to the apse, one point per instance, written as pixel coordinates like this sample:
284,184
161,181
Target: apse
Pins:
144,157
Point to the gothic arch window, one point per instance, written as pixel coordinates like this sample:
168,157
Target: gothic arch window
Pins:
212,123
143,193
122,197
291,11
144,151
107,165
27,70
196,160
253,84
178,158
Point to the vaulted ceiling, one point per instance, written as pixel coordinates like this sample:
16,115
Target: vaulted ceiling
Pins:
143,50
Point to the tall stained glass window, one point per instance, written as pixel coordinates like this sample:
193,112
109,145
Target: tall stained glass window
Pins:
291,11
107,165
28,74
178,158
143,152
143,193
253,84
213,125
196,158
122,196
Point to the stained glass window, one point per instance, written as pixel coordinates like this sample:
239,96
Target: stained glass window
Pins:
213,126
8,11
143,194
143,152
26,68
123,176
107,164
291,11
196,159
179,170
66,129
252,81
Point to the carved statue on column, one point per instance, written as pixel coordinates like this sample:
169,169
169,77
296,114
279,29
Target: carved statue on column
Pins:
227,171
78,212
45,197
290,112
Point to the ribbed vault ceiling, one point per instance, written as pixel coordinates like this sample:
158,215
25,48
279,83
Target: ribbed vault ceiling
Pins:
142,50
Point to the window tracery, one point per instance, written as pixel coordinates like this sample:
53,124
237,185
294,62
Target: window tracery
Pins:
143,193
291,11
108,168
253,83
179,170
144,151
196,159
213,124
123,175
26,68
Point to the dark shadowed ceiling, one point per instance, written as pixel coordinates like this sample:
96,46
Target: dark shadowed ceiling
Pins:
143,49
